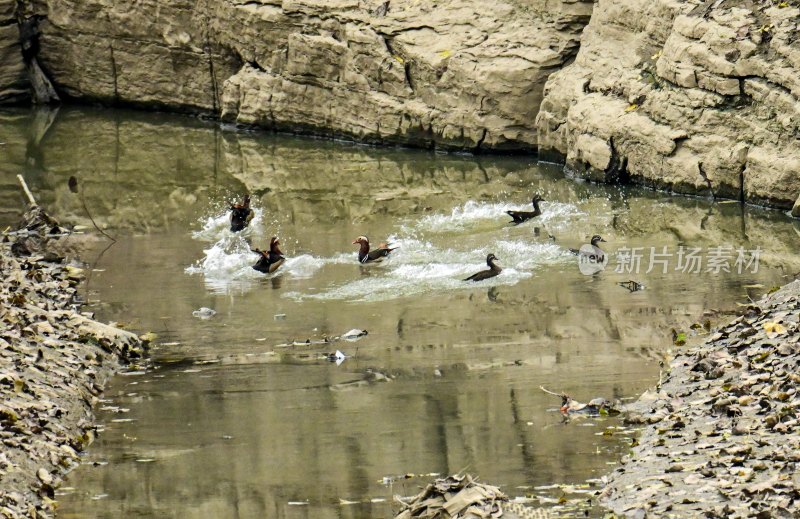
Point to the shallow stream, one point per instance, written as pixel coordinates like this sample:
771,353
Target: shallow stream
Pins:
241,414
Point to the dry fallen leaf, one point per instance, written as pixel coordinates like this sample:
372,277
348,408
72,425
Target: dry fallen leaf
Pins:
772,327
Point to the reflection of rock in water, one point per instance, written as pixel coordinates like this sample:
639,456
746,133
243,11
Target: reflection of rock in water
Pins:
41,122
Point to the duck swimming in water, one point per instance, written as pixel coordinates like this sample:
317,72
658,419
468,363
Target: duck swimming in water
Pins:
241,214
486,274
269,261
597,254
367,256
522,216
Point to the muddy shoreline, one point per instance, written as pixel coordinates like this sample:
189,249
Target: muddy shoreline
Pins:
54,363
722,436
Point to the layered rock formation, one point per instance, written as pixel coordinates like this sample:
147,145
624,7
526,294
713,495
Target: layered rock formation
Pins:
690,96
456,74
21,76
14,84
465,74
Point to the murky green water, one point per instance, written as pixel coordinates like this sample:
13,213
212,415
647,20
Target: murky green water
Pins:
238,418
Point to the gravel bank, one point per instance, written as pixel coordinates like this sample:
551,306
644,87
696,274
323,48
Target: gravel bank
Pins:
722,436
54,363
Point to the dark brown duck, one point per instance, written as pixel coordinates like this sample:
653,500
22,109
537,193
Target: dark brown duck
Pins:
522,216
486,274
270,260
241,214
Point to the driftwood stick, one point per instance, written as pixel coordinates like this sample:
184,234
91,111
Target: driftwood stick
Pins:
27,191
551,392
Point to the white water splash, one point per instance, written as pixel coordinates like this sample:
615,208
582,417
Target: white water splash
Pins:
410,271
228,265
418,266
479,216
471,215
217,226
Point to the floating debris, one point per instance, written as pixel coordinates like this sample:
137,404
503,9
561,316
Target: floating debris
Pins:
631,285
451,497
353,334
337,357
204,313
595,407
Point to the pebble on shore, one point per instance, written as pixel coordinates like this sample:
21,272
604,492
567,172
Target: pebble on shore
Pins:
54,363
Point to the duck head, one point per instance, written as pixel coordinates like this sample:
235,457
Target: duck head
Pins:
596,239
537,198
246,201
363,241
273,245
490,259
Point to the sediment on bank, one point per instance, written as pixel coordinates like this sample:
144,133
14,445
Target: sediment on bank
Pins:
722,433
54,363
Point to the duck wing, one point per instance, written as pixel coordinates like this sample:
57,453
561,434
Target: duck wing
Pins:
519,216
262,265
377,254
273,266
483,274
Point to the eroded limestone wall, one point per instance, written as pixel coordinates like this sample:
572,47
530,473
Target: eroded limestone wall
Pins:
462,74
684,95
14,85
693,96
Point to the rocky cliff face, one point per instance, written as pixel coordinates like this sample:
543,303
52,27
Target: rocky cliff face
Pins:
14,85
693,96
690,96
455,74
